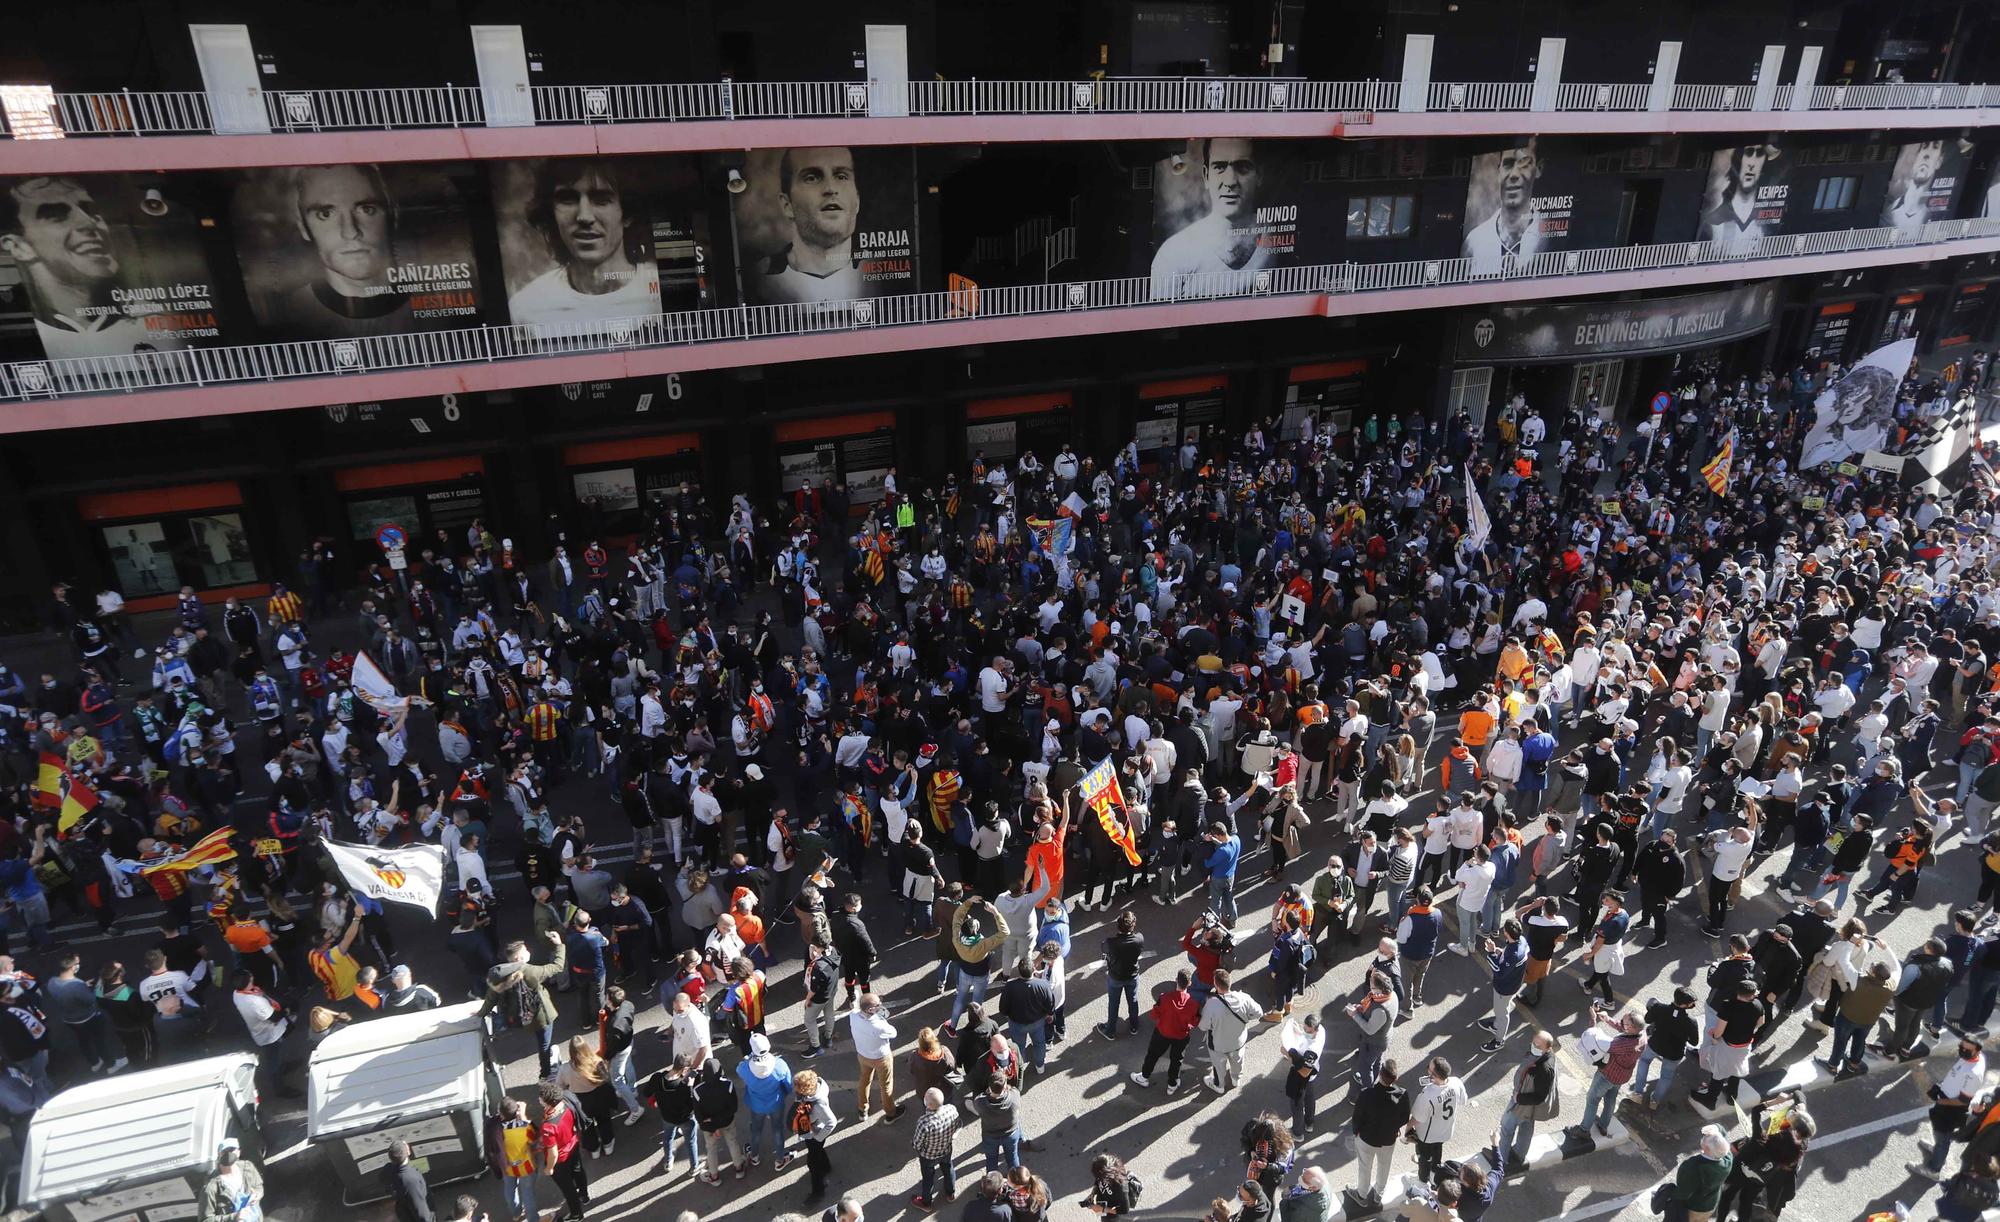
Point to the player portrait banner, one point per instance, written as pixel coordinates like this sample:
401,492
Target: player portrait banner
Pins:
1223,205
349,251
1924,184
413,875
590,239
113,264
833,223
1747,196
1519,203
1562,331
1857,413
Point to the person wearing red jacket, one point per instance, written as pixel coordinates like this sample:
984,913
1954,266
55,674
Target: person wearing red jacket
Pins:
1174,1017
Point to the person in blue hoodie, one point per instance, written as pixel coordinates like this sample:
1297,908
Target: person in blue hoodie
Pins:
1508,959
767,1083
1225,849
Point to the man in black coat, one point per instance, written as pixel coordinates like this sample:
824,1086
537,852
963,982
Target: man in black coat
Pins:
407,1187
1813,930
855,947
1662,874
1595,867
1367,864
1779,971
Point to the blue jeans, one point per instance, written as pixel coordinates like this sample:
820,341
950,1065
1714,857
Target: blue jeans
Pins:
1668,1069
754,1124
1839,890
519,1192
1981,987
935,1178
971,988
948,973
1115,988
1033,1040
1516,1132
1222,897
1659,821
545,1045
1847,1032
1941,1145
1002,1150
689,1137
1602,1098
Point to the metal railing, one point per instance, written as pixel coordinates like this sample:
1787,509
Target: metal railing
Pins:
194,367
1713,97
1577,96
140,113
350,109
1480,95
1058,249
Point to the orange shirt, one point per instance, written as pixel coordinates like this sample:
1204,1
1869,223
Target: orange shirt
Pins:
1048,858
750,928
1475,726
247,938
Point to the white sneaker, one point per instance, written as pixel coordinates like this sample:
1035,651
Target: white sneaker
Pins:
1138,1079
632,1118
118,1065
1456,949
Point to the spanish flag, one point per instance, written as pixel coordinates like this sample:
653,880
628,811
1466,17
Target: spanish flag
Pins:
49,781
207,851
79,801
1717,469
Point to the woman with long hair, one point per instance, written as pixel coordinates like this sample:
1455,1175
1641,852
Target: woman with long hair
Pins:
588,1077
131,1017
1114,1191
1027,1196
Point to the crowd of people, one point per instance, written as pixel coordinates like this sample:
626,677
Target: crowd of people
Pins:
1523,691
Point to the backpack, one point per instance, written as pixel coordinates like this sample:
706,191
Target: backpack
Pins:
1134,1188
1306,953
802,1117
519,1008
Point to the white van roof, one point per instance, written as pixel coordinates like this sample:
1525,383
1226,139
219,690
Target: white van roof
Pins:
131,1129
370,1073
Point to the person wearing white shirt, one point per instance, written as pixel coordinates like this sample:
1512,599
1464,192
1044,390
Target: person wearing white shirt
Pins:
1532,610
994,689
1965,1080
1503,762
690,1026
471,866
1728,852
1137,729
1833,699
1434,1115
1868,730
874,1044
1669,792
652,714
1474,879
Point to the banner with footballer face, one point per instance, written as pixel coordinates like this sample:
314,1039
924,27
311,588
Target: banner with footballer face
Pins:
832,223
347,251
113,264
